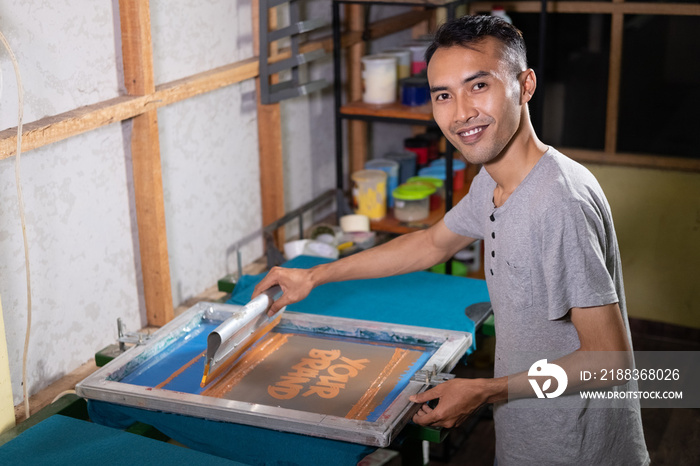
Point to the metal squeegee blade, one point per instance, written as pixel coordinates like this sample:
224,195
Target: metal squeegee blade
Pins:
230,339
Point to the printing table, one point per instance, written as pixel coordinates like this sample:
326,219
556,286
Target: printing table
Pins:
421,299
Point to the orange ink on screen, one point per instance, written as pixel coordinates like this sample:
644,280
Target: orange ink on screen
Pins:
366,404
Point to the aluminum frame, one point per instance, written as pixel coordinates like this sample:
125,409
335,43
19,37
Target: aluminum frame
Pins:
104,384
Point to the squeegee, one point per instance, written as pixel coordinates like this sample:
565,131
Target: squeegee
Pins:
230,339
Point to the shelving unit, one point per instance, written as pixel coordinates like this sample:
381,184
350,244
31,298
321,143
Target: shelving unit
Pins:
389,113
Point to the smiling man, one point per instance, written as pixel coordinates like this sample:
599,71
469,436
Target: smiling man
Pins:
552,261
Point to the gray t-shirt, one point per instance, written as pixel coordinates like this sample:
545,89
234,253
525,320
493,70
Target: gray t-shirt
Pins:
550,247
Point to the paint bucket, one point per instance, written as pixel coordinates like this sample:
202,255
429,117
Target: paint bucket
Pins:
403,61
369,193
391,167
379,79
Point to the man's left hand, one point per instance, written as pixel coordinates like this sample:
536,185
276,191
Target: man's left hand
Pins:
457,400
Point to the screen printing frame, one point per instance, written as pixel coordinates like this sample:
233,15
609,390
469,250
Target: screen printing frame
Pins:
104,384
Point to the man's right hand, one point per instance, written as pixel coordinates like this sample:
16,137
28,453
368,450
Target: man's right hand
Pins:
296,285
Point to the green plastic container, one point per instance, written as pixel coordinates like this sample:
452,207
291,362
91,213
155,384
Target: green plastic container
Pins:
412,202
438,196
431,179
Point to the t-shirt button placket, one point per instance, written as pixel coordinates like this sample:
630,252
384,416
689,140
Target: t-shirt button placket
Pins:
493,235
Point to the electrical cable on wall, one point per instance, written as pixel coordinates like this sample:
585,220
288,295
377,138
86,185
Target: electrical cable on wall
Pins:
20,200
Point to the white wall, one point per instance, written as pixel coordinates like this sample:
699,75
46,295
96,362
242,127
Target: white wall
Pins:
78,222
79,192
209,143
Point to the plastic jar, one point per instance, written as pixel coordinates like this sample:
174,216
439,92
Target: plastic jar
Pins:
419,147
412,202
391,168
458,170
403,62
369,193
407,164
379,79
439,185
414,91
433,140
418,49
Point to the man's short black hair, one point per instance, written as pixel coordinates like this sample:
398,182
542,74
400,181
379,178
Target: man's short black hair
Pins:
469,30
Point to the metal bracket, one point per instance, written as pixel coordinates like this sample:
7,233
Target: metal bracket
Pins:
134,338
271,93
266,232
431,377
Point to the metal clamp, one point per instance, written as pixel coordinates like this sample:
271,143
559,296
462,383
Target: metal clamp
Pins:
134,338
431,377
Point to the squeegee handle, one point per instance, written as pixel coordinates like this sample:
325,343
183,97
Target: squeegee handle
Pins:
272,293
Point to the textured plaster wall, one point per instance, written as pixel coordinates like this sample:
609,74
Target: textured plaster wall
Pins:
77,202
79,192
209,144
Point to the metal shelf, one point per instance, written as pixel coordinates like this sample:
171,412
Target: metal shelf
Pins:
391,113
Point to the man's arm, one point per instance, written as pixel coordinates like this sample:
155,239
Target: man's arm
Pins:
407,253
599,329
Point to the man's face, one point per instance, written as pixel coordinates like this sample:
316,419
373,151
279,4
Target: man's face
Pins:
475,96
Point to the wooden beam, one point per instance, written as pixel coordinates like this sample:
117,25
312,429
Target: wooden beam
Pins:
634,160
206,81
357,130
387,26
145,154
64,125
58,127
423,27
614,78
269,142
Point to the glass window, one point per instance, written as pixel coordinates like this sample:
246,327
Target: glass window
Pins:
660,86
575,79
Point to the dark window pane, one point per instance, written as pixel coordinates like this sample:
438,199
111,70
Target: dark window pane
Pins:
660,86
575,77
666,1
